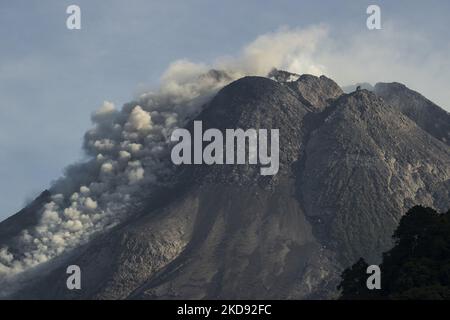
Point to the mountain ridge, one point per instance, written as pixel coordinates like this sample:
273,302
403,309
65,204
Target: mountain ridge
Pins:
227,232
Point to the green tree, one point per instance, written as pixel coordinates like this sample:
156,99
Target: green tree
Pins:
417,267
353,285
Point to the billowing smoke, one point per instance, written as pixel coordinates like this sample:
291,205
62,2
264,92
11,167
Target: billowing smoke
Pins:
128,148
126,152
293,50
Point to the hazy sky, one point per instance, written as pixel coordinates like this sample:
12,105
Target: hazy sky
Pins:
52,78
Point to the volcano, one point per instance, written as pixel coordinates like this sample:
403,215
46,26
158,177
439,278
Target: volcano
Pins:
350,164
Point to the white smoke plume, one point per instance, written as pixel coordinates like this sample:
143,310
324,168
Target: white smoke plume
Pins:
127,152
128,148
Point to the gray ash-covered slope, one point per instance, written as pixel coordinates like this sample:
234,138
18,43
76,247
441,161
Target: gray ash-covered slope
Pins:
350,165
364,166
425,113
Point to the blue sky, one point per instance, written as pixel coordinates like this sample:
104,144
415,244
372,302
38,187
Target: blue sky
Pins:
52,79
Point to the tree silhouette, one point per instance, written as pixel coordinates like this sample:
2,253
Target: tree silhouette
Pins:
417,267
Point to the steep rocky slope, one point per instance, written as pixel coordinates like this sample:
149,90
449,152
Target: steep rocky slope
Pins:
422,111
350,164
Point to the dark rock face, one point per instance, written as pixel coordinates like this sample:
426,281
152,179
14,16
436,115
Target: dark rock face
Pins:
258,103
422,111
364,166
23,219
314,92
350,165
319,92
362,85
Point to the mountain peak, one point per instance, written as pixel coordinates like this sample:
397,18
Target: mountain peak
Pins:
362,85
282,76
379,86
26,217
350,165
427,115
317,92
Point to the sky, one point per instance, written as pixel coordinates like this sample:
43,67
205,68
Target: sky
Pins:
52,79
